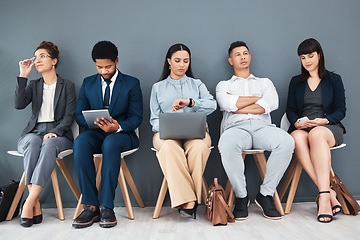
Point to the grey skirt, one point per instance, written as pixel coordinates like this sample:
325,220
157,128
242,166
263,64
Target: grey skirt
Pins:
336,130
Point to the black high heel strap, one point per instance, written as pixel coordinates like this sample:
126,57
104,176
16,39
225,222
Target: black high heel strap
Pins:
324,192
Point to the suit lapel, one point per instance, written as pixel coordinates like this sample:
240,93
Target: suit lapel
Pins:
301,94
58,89
115,91
97,91
39,94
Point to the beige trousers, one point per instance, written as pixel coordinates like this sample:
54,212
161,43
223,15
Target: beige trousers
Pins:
183,163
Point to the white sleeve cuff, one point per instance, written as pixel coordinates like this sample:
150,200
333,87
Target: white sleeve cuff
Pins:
232,102
119,130
262,103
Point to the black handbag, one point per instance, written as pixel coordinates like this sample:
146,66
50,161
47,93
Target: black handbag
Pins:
7,194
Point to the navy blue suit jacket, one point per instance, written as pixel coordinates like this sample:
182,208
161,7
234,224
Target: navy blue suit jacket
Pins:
333,97
126,105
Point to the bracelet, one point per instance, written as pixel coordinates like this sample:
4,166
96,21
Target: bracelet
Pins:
191,101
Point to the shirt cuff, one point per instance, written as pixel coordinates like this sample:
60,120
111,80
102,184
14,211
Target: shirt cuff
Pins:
119,130
262,103
232,103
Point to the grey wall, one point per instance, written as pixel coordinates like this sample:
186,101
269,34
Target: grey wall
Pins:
144,30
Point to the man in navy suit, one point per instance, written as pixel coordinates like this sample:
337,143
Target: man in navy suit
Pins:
121,95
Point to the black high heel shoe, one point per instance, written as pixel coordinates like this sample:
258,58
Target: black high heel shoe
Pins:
38,218
25,222
334,208
189,212
324,215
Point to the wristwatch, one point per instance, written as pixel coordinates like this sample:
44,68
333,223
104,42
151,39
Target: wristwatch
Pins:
191,102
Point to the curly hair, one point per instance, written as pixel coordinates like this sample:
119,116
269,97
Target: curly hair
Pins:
104,50
52,50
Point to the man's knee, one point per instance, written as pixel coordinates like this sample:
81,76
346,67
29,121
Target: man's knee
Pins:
228,145
287,142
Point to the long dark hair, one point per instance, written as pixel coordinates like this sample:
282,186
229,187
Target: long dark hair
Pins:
174,48
308,46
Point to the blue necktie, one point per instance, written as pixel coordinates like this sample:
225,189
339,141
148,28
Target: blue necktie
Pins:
107,94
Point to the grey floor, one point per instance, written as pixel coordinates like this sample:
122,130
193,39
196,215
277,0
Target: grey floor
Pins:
301,223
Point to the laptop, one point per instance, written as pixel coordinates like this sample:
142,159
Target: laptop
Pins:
185,125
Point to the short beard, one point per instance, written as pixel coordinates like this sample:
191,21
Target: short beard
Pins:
109,76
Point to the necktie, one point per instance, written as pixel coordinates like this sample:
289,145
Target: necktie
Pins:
107,94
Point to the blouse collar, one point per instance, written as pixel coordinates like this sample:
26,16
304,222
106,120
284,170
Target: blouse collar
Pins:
177,82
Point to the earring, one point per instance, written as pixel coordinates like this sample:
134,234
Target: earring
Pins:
169,67
53,66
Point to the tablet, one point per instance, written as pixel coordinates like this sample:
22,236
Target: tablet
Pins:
91,116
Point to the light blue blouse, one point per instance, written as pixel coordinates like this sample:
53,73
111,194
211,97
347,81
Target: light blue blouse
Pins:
164,93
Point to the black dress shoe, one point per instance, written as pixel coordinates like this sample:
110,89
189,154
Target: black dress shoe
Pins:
189,212
26,222
37,219
87,217
107,217
266,203
241,208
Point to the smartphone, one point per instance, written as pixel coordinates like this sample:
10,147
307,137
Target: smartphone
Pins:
303,120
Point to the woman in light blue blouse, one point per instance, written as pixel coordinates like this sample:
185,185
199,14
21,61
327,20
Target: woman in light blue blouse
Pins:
182,161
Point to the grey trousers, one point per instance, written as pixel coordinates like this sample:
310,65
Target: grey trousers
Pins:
40,156
255,134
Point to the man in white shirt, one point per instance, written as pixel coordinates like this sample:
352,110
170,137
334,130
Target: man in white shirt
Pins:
246,102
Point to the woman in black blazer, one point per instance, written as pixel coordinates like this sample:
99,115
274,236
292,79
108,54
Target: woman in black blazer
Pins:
315,107
48,131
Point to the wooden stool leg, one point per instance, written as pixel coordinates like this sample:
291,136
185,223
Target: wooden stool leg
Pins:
160,199
79,207
293,187
261,164
63,168
339,195
98,161
204,189
56,188
125,193
231,198
287,180
228,189
16,199
131,183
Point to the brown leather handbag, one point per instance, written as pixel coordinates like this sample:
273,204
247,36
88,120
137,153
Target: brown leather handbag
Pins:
217,210
351,203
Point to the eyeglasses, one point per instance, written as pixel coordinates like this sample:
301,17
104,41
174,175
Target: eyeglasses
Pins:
42,57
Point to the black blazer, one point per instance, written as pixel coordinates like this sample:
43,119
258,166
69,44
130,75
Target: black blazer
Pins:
333,96
64,104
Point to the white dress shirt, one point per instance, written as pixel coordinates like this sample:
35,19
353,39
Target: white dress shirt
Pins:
228,92
46,113
111,85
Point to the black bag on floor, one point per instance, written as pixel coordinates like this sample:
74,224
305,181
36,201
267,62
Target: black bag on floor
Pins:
7,194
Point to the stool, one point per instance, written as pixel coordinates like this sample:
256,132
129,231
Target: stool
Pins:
124,174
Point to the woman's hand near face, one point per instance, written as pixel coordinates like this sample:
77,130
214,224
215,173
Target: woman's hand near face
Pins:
25,68
179,104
